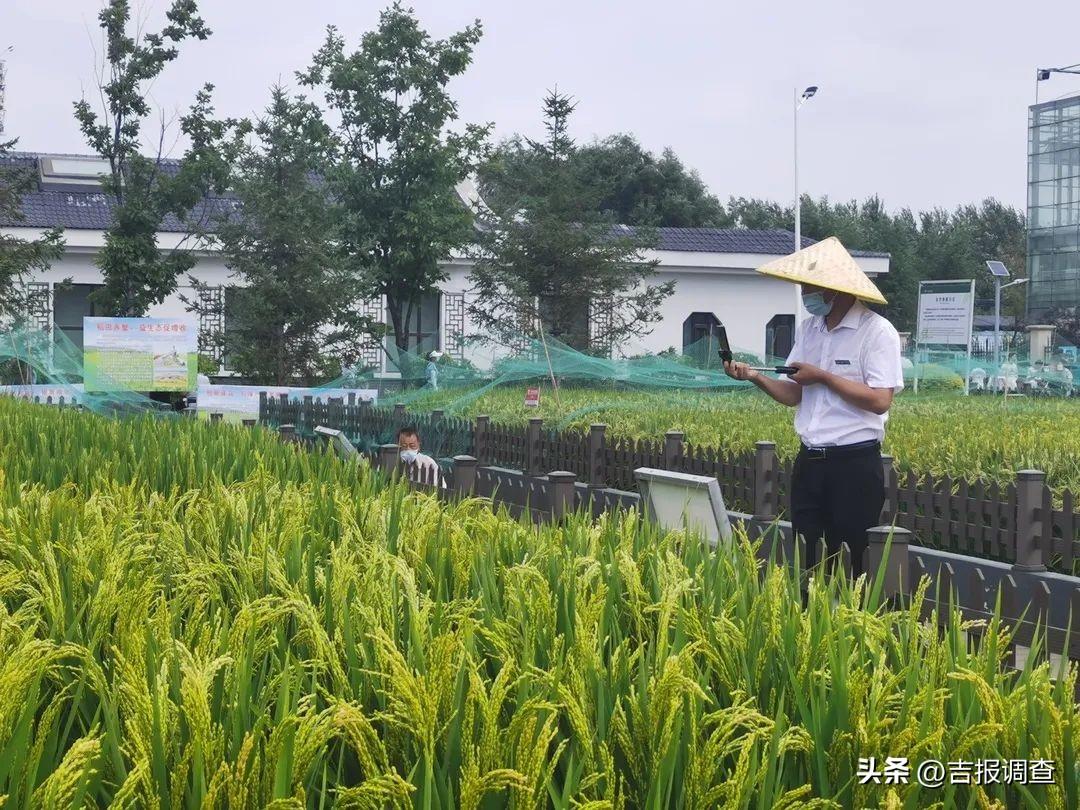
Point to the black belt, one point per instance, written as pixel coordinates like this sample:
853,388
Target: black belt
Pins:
859,448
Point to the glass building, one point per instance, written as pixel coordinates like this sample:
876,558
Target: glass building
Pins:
1053,250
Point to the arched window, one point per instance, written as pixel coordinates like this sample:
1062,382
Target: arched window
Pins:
699,340
780,336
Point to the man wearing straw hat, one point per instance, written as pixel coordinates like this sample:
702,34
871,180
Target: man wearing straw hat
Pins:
847,361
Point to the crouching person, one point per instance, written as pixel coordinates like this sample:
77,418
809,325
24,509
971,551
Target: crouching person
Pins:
420,467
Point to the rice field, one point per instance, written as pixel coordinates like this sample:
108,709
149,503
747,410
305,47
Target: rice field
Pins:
196,616
945,434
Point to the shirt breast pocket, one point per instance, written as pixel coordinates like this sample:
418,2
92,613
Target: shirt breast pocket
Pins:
848,369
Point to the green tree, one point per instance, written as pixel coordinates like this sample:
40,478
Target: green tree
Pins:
1067,322
395,164
546,255
19,257
634,186
293,310
763,215
144,190
933,244
996,231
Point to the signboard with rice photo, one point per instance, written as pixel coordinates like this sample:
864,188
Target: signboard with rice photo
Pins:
532,397
140,354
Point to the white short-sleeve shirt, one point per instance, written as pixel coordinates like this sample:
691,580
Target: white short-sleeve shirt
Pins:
865,347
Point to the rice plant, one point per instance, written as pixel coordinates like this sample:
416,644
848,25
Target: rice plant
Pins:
195,615
979,437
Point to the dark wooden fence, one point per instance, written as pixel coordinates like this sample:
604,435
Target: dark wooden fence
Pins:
973,518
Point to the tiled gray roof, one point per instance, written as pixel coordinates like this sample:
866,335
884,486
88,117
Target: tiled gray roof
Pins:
736,240
91,210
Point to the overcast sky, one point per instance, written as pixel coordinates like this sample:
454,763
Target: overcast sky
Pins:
924,103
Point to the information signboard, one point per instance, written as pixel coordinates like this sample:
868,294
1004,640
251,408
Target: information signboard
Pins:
679,500
140,354
239,402
532,397
45,394
945,319
946,310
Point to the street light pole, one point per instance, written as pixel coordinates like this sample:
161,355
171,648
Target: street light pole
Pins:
1042,74
808,93
997,323
998,287
795,129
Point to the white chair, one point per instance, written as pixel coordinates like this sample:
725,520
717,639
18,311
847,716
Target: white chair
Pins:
978,379
1006,378
1066,381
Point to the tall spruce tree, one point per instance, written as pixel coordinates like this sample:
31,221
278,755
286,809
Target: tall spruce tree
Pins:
547,259
144,190
292,314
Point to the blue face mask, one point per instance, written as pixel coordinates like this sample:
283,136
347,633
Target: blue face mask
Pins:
409,456
816,304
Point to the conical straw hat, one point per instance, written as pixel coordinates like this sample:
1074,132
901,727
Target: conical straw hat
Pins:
825,264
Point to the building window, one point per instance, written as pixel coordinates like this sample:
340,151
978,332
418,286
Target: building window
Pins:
699,337
1053,255
71,303
601,323
39,307
455,324
230,305
63,173
212,323
780,336
422,329
371,353
566,321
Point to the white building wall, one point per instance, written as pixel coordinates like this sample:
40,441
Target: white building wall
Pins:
741,300
80,268
209,270
723,284
77,264
480,355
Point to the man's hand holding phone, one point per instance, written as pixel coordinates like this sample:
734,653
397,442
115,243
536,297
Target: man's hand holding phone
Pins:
740,371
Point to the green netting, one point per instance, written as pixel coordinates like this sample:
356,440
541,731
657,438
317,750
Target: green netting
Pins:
1011,373
30,357
46,365
554,364
546,363
550,360
581,383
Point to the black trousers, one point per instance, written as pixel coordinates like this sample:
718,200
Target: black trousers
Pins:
837,497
